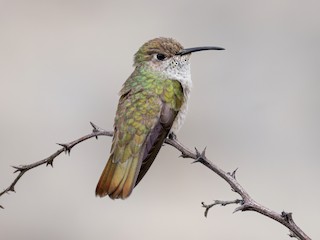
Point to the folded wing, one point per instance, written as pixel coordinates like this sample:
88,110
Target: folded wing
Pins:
141,126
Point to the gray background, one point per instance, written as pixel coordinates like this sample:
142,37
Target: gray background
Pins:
255,106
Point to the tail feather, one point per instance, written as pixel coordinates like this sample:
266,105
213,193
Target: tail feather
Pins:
118,190
105,179
118,179
131,179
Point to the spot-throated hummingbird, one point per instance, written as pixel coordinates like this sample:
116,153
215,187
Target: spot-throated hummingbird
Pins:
153,103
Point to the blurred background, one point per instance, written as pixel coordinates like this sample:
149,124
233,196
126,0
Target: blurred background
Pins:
256,106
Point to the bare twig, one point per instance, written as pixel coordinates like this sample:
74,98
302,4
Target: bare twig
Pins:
219,202
246,203
66,147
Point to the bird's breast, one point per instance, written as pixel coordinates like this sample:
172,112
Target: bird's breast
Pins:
178,122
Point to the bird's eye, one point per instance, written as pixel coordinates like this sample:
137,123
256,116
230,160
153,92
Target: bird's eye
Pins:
161,56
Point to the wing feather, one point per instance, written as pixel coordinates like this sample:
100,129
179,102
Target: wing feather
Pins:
142,123
156,138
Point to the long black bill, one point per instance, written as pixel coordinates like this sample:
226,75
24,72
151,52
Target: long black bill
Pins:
197,49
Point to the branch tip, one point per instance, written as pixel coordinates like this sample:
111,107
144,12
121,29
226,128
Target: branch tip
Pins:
17,169
207,207
238,209
49,160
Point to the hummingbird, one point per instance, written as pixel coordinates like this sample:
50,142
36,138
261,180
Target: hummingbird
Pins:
152,105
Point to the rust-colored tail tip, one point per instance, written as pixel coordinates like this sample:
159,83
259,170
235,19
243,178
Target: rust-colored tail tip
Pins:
100,192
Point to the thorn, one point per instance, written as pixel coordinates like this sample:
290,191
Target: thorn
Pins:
197,152
1,207
200,156
11,189
195,161
233,174
240,208
66,147
50,162
95,127
287,216
17,169
207,207
206,213
203,154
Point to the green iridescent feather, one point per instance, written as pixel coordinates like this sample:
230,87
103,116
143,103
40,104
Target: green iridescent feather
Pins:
147,103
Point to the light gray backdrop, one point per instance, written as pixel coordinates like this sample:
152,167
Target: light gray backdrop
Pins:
255,106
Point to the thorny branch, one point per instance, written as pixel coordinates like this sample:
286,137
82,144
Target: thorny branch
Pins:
219,202
66,147
246,203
